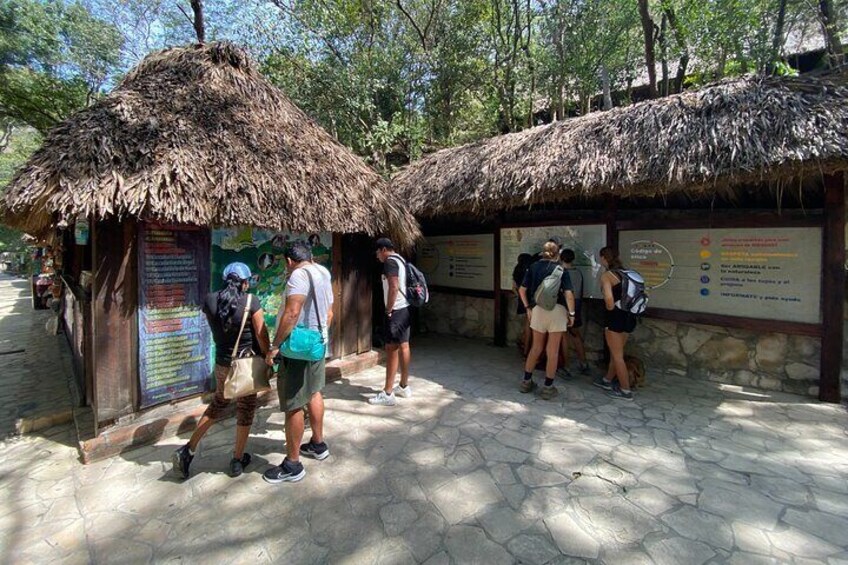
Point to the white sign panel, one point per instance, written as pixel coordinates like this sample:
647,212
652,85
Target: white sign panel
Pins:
585,240
767,273
459,261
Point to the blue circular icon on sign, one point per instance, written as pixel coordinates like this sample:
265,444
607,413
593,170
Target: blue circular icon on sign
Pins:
705,292
705,279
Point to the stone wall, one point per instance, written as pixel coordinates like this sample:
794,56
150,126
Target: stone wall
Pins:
776,362
454,314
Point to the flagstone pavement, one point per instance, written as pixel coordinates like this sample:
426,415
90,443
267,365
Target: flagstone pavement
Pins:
467,471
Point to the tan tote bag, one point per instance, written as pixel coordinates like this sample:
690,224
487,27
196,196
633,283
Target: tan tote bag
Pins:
247,375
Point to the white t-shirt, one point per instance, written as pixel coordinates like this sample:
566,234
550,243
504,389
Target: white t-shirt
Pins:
395,266
299,285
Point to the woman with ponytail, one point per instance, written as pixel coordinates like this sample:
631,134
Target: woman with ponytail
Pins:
618,326
224,310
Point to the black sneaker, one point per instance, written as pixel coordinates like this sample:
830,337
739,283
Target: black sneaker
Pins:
620,394
181,460
602,383
565,374
288,472
237,466
318,451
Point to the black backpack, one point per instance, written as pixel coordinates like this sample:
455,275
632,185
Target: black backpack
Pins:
416,293
634,299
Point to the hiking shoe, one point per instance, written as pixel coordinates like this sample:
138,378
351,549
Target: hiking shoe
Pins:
181,460
602,383
527,386
565,374
620,394
318,451
382,399
237,465
287,472
548,392
402,391
585,369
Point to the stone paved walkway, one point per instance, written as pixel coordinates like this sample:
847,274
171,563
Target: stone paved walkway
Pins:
33,378
469,471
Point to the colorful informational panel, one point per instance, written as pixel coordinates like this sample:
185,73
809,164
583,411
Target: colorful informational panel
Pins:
262,251
766,273
459,261
173,335
585,240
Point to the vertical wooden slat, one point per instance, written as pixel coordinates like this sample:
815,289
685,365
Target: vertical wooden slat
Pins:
833,287
501,317
338,311
115,304
364,266
349,313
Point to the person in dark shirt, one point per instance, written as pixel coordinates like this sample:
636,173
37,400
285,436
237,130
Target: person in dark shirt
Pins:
524,262
224,310
573,335
548,325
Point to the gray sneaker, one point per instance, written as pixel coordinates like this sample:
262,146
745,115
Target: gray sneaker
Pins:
527,386
620,394
602,383
548,392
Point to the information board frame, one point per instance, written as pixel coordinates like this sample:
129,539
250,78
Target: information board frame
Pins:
421,263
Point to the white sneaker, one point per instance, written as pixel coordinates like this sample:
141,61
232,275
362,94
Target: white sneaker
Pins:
383,399
403,392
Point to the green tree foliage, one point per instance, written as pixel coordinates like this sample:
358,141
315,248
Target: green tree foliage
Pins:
54,58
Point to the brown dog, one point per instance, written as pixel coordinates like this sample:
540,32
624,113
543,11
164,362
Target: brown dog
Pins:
635,371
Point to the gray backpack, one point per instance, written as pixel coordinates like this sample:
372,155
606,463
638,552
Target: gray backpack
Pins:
548,291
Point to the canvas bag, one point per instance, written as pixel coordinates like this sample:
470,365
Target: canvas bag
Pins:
417,294
247,375
548,291
634,299
303,343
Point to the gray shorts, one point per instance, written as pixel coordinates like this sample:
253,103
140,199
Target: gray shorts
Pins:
298,381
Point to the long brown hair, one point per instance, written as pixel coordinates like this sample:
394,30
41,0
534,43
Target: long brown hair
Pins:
610,255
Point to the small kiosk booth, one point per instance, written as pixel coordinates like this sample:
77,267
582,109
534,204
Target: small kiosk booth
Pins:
193,161
730,201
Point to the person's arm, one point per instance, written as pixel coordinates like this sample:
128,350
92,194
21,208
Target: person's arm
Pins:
291,314
394,289
606,289
569,304
260,330
522,295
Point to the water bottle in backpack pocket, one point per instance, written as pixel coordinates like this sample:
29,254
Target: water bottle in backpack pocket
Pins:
634,299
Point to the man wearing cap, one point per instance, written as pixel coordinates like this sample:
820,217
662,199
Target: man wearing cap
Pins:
309,302
396,323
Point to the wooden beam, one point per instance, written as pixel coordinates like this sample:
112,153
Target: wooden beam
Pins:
501,317
833,288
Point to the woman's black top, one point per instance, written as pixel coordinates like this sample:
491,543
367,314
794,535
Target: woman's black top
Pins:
226,339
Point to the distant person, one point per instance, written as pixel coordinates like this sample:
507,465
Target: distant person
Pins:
396,323
320,253
309,302
548,325
618,326
524,262
224,310
573,335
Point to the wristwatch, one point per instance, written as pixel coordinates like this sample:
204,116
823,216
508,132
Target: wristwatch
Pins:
571,314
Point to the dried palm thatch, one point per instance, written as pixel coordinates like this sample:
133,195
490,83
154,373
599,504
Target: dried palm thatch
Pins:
196,135
732,133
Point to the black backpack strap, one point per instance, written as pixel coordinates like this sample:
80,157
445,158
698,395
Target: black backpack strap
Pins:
405,270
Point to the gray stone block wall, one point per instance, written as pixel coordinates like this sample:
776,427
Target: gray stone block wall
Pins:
772,361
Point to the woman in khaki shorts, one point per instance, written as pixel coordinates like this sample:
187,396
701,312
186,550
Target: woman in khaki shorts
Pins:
548,325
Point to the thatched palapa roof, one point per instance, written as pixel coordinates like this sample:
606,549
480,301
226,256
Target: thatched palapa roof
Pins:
732,133
197,135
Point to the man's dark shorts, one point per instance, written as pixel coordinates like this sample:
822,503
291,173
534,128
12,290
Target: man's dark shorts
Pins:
298,381
397,327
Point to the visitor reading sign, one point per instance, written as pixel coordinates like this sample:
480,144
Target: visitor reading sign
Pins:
172,333
766,273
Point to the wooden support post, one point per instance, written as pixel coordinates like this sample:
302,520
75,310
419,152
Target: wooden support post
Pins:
338,312
610,214
833,287
501,317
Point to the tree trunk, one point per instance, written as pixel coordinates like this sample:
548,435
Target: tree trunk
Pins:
681,44
777,41
650,58
199,26
827,15
605,84
664,55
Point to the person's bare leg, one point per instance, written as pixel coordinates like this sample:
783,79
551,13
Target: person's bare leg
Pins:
316,417
242,433
391,366
535,351
565,342
526,336
610,376
202,427
294,434
579,346
617,360
552,351
405,355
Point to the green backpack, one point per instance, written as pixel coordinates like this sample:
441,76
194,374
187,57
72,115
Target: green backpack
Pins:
548,291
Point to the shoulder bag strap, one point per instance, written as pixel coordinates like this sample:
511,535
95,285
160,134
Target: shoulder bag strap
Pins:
314,300
406,273
241,329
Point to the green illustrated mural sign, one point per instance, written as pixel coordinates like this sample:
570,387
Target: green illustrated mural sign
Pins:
262,251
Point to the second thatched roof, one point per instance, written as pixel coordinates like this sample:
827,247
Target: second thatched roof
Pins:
737,132
197,135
